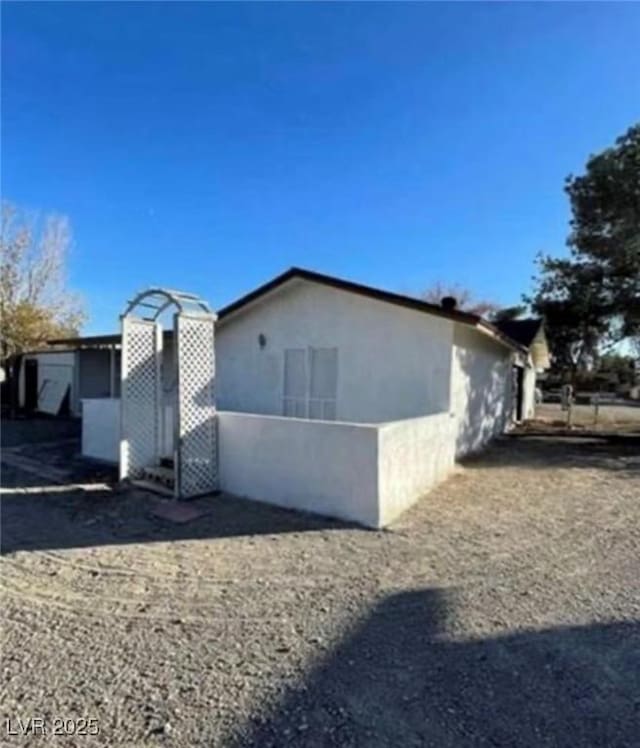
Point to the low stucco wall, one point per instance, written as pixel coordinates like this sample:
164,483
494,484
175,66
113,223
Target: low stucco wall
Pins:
365,473
323,467
413,456
101,428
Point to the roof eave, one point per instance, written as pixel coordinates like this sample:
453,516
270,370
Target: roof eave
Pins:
466,318
495,334
344,285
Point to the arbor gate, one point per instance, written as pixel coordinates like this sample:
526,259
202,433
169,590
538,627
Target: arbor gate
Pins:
192,469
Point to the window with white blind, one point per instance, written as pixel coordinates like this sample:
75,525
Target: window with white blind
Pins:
310,383
323,383
294,400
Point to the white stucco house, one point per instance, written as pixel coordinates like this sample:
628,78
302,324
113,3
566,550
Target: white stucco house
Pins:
343,399
313,346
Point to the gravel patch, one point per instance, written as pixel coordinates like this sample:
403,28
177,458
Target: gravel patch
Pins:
503,609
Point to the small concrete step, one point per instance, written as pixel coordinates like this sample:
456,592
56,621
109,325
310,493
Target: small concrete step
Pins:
163,475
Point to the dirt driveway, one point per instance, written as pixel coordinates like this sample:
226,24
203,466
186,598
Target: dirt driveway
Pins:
503,610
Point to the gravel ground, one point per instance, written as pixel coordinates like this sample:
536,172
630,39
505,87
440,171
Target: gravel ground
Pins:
503,609
36,430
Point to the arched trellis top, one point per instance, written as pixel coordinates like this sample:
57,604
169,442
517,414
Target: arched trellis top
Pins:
159,300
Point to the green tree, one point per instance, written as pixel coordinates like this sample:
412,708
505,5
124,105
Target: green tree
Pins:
592,298
508,313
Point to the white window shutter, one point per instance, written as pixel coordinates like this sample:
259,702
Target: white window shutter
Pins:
295,383
324,373
323,385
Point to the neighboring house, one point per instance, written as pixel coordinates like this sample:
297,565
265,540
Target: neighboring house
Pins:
530,334
338,398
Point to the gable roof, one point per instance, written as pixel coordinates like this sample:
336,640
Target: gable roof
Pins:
378,294
523,331
408,302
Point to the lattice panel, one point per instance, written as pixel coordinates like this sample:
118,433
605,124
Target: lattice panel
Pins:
197,451
141,350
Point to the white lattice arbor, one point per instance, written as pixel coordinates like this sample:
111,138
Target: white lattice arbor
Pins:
189,399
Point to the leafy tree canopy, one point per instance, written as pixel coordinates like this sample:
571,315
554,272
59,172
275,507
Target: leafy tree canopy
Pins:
592,298
508,313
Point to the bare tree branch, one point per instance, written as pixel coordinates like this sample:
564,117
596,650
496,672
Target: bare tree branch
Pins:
466,299
35,302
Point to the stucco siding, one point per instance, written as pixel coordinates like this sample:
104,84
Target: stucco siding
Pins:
366,473
317,466
101,429
413,456
393,363
481,389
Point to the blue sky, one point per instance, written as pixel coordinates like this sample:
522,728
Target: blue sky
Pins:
210,146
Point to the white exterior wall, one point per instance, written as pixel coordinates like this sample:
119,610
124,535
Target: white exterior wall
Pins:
323,467
393,362
413,456
481,389
101,429
529,393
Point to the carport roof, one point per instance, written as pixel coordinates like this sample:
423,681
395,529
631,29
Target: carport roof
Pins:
94,341
88,341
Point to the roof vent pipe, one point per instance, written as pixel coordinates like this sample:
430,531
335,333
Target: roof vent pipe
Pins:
449,303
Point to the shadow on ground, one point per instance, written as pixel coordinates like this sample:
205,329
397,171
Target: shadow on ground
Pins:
32,430
396,680
47,518
40,514
543,451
